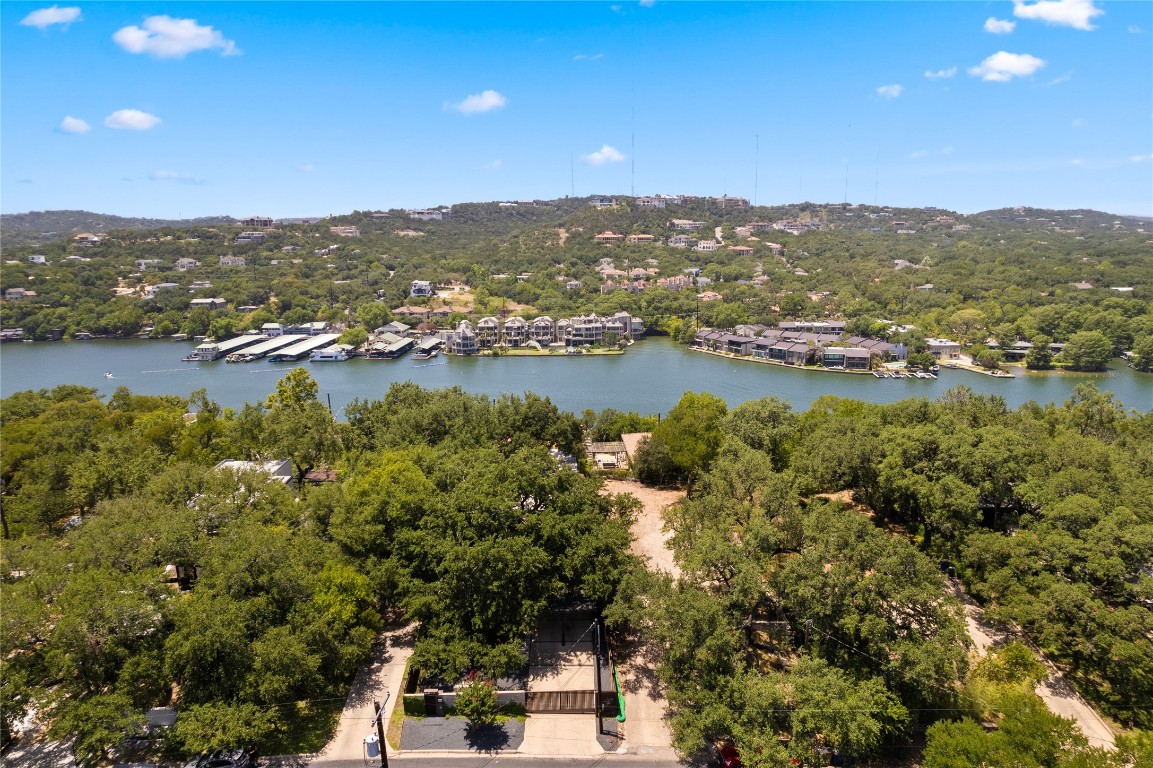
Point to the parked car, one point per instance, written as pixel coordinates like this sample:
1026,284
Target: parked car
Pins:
727,755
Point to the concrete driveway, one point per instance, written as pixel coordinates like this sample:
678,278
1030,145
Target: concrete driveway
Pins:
383,676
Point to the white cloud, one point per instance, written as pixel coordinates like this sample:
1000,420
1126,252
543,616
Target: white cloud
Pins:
167,38
1140,158
1134,29
493,166
1002,67
941,74
647,3
131,120
46,17
588,57
179,178
1064,13
74,125
890,91
605,154
1078,122
485,101
995,26
306,167
947,150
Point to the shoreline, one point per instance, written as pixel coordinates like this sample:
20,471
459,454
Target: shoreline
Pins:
779,364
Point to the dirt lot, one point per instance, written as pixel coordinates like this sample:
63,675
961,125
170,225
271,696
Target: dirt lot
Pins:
645,730
649,536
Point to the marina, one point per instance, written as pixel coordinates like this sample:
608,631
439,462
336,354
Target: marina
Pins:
302,348
649,378
214,350
248,354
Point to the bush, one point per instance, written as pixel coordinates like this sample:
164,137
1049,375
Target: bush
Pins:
476,700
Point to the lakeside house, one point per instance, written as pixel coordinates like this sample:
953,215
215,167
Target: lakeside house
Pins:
609,238
420,288
217,303
796,347
944,349
232,261
250,237
516,332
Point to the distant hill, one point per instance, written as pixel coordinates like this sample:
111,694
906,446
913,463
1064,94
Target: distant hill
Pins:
43,226
1080,218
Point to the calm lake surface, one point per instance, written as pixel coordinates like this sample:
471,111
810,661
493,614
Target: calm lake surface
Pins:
649,378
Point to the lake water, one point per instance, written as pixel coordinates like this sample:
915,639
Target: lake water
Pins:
649,378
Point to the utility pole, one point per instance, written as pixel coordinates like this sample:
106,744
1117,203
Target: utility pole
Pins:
379,720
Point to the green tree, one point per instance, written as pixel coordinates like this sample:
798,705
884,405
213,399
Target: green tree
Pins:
354,337
1040,355
298,425
97,723
204,728
921,360
373,315
692,432
1142,356
1087,351
476,700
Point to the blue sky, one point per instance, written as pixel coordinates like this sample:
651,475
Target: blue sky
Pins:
171,109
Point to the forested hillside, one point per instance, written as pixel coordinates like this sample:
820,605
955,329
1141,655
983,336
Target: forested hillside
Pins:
1011,276
45,226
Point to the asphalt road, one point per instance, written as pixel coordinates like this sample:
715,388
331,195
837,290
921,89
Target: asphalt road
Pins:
514,761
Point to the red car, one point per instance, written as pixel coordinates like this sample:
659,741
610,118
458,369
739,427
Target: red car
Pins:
730,757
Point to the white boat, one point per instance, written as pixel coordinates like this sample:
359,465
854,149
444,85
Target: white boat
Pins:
108,374
337,353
